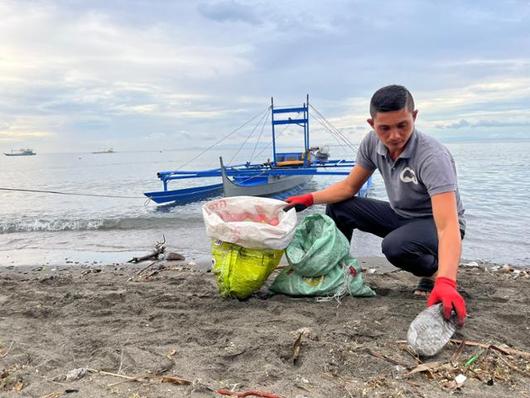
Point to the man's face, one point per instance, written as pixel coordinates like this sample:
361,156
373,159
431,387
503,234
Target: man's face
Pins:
394,128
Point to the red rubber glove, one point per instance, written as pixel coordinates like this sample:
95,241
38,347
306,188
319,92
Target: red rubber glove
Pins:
444,291
300,202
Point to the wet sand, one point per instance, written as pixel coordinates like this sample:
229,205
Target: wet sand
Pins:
167,328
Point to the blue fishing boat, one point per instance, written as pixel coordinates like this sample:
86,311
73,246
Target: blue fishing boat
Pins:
284,172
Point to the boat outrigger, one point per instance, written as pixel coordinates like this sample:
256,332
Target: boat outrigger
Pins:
286,172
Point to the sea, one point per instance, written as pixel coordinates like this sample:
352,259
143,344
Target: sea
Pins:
100,215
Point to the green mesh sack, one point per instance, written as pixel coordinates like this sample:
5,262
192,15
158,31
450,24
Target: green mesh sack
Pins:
317,246
241,271
344,278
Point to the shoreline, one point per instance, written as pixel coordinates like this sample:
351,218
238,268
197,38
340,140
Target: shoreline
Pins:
171,322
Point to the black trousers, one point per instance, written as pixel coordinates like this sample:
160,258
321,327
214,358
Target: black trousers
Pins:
408,243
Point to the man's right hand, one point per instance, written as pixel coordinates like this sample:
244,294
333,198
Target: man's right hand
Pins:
300,202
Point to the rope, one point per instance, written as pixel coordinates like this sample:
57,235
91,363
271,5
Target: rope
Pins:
263,118
222,139
332,129
338,136
259,137
70,193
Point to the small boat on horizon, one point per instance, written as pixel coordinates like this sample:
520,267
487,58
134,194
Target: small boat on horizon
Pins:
20,152
110,150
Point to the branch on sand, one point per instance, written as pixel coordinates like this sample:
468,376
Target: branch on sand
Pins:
160,248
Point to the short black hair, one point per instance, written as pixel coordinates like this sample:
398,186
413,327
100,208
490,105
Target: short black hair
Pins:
391,98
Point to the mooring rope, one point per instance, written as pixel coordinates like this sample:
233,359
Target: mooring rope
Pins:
71,193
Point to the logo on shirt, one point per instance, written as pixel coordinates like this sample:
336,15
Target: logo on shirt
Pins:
408,175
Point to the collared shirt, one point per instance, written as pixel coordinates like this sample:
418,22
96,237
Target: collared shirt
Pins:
424,168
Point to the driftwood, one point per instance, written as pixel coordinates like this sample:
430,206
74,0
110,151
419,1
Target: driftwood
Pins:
160,248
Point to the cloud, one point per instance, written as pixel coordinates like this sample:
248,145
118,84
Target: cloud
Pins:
228,11
22,135
463,123
74,68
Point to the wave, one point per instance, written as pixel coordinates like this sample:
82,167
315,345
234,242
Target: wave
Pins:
99,224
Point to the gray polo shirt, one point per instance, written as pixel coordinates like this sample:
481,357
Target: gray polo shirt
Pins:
425,168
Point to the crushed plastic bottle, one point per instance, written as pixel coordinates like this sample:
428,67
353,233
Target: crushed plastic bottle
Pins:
429,332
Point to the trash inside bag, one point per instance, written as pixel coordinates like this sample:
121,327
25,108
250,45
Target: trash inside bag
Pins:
337,282
317,246
250,221
429,332
320,264
240,271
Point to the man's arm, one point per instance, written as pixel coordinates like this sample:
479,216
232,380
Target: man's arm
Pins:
445,215
344,189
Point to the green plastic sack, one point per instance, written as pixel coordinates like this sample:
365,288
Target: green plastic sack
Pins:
241,271
341,279
317,246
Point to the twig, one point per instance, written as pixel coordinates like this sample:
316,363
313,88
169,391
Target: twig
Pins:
296,348
524,373
9,349
121,361
386,358
425,367
143,270
457,353
175,380
130,378
249,393
504,350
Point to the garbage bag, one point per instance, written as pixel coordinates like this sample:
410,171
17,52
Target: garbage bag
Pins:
320,264
240,271
340,280
250,221
317,246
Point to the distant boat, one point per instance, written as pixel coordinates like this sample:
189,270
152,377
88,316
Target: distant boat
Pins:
20,152
110,150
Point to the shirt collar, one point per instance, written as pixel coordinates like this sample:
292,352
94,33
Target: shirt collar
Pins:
407,152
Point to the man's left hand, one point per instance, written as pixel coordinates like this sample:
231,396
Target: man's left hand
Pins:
444,291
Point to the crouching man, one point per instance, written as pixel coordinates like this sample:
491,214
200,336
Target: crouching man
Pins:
423,223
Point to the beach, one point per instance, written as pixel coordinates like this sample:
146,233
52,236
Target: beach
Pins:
117,331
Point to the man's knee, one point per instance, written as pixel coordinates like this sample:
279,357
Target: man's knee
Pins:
400,253
392,248
330,210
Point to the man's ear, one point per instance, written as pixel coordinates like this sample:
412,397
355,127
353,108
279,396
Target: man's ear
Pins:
370,122
414,114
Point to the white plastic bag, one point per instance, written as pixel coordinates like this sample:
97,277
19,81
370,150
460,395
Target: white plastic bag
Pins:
250,221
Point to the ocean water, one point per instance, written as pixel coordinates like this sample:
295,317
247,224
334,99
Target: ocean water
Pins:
38,228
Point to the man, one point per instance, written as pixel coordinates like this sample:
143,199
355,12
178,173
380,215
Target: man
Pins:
423,223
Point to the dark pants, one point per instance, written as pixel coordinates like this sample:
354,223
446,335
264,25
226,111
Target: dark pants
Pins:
408,243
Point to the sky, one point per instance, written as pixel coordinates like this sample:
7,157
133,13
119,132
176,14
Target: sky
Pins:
79,75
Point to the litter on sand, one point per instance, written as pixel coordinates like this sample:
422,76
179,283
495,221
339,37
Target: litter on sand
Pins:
429,332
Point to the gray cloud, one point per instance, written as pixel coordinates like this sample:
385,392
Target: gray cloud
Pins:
229,11
73,67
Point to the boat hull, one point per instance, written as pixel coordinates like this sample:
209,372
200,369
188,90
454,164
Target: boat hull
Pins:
263,187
